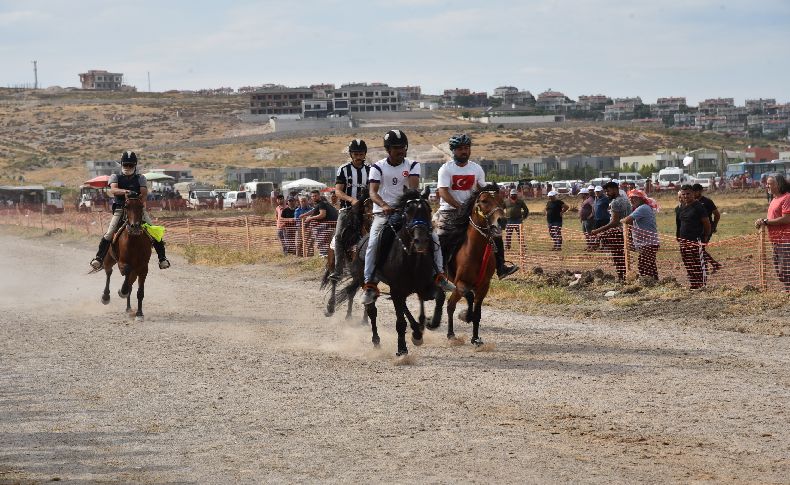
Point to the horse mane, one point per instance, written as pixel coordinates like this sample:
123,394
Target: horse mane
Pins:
408,195
454,233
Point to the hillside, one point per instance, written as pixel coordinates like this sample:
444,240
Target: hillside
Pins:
47,135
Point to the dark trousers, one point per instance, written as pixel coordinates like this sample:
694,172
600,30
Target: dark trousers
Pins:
782,263
693,255
612,242
555,232
512,226
647,261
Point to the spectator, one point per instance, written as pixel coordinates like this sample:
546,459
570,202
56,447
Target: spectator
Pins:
322,221
289,229
612,232
693,227
302,209
645,232
516,211
555,208
279,207
713,215
587,214
778,224
601,208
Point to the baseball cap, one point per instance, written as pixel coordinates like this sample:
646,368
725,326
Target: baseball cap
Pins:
513,192
598,188
591,187
551,193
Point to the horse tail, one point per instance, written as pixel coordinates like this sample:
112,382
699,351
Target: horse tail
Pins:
325,278
350,288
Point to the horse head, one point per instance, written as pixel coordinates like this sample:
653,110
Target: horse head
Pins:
416,213
134,215
489,211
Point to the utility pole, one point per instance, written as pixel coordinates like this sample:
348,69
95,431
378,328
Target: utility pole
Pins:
149,81
35,74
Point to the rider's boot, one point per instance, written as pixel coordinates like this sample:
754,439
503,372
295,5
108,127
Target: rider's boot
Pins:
503,270
340,260
443,283
371,293
98,261
159,246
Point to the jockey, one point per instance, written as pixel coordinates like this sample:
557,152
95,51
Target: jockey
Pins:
389,178
457,179
127,182
351,184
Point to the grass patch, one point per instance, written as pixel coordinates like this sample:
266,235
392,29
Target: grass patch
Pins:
525,292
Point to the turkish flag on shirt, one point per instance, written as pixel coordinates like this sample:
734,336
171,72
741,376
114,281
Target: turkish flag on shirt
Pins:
463,182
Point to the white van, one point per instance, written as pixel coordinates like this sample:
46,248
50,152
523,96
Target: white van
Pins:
236,199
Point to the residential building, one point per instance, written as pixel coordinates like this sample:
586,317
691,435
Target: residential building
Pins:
711,106
762,154
409,93
519,98
503,91
668,106
553,101
279,100
757,106
464,97
101,80
316,108
323,91
364,97
179,172
622,109
595,102
101,167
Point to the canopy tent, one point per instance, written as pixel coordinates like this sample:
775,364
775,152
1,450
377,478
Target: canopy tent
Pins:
98,182
302,184
157,177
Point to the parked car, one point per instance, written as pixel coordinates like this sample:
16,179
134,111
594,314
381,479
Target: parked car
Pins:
562,187
236,199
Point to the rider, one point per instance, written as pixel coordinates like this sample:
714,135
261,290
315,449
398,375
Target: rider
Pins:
127,182
457,179
389,177
351,183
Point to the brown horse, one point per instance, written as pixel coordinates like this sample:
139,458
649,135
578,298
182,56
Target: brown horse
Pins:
469,241
131,249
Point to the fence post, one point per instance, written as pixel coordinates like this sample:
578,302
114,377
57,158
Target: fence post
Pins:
247,226
627,249
762,258
216,233
304,239
189,232
521,253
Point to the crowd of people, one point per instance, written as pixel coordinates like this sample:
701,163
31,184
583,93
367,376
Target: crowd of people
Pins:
305,222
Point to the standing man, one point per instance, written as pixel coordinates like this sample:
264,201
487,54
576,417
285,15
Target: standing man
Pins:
693,228
555,208
713,215
516,211
612,232
645,231
389,178
587,214
351,187
320,218
601,207
289,226
778,225
457,179
281,222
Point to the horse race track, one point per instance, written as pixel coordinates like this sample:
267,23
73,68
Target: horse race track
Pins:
235,376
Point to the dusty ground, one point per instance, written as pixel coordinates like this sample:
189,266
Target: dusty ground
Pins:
236,376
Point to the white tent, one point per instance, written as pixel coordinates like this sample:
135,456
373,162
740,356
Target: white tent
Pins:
302,185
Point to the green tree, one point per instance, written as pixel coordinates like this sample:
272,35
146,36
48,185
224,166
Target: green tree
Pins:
646,170
525,172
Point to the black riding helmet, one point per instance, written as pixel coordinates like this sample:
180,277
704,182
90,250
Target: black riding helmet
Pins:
129,159
461,139
357,146
395,138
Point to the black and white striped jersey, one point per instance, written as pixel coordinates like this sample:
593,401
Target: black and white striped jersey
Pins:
354,179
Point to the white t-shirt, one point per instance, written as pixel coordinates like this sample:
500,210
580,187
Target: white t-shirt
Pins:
460,181
392,180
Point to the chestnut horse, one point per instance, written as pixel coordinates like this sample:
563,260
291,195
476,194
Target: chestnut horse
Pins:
468,241
131,249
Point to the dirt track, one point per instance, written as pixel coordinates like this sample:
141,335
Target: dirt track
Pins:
236,376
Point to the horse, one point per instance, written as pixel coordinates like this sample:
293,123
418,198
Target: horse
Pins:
357,224
468,242
131,249
406,265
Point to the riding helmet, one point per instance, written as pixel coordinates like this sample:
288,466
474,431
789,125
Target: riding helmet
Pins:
395,138
357,146
458,140
129,158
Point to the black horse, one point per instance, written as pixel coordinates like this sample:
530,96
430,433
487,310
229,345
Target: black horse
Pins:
404,262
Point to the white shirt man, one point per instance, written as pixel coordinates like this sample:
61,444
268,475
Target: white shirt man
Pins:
456,183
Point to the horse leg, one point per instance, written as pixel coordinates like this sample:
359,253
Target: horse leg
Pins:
400,325
372,312
475,314
126,286
417,327
140,295
105,298
450,310
330,305
470,298
436,320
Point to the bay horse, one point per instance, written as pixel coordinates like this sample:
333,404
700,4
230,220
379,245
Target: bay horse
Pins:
468,240
406,266
357,224
131,250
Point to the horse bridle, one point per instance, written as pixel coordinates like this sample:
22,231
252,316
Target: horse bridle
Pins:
413,224
137,227
486,232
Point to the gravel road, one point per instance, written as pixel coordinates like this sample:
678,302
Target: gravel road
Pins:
236,376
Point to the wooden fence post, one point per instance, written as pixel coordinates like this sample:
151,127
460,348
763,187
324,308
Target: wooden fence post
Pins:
247,226
189,232
762,259
627,249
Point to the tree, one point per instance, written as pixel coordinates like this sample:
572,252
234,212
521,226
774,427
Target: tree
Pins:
525,172
646,170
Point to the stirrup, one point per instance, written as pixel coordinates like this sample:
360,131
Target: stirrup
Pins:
164,263
444,283
96,263
371,293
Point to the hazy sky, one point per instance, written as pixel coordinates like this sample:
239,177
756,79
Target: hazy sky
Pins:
692,48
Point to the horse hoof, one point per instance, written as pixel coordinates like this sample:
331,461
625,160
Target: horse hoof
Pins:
401,353
463,315
376,342
431,325
416,341
477,341
122,295
328,313
450,336
139,318
105,300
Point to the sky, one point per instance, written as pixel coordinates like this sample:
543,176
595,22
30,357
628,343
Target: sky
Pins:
694,48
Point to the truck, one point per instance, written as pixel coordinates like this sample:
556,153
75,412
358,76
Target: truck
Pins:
256,189
671,177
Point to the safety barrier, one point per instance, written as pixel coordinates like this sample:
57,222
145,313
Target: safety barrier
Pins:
756,260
